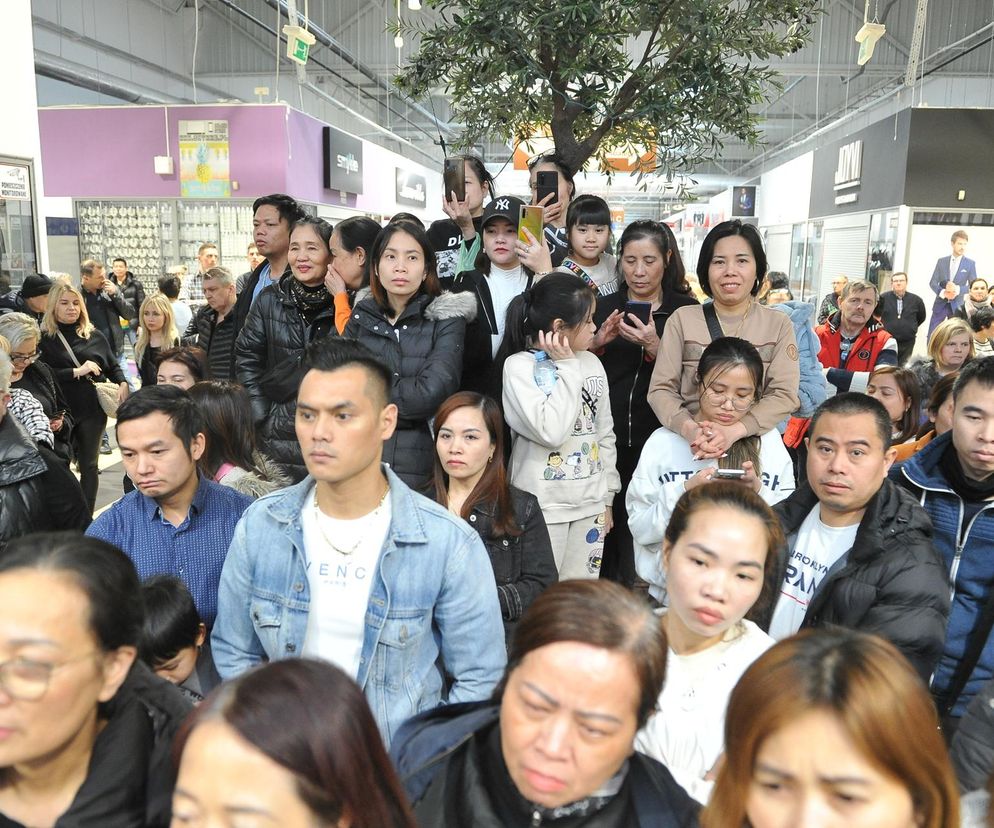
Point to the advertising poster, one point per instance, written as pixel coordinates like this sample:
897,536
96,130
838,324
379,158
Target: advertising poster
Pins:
203,159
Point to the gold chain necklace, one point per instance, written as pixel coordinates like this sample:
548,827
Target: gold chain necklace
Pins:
741,321
318,514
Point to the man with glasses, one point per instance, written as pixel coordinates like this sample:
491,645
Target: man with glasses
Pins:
854,342
37,491
859,548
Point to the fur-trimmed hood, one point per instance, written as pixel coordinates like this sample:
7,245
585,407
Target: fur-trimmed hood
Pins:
447,305
255,485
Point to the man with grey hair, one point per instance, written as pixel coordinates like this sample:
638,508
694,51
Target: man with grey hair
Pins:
37,491
214,327
854,342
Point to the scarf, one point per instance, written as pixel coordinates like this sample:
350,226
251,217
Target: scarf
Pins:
971,307
310,301
973,491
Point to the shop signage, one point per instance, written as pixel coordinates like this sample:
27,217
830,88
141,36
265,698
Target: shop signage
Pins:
14,183
848,172
412,189
342,161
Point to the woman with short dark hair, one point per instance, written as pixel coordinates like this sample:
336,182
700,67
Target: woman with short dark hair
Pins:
293,743
555,746
87,732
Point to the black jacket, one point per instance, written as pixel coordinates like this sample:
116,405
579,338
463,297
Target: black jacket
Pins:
628,373
523,564
972,748
134,295
893,583
244,303
426,746
22,468
79,392
13,302
106,312
424,350
268,354
217,341
913,315
39,380
478,365
130,780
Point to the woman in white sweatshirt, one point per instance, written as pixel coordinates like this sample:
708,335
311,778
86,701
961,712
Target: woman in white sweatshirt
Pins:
720,558
730,376
562,437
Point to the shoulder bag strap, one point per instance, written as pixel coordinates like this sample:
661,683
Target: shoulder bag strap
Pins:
72,355
711,317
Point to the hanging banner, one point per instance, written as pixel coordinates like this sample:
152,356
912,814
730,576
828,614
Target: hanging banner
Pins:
203,159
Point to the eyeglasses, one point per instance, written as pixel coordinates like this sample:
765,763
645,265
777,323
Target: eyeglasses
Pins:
25,357
719,400
27,680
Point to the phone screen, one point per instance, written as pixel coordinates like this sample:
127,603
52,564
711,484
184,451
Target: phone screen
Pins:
454,178
532,218
640,310
547,182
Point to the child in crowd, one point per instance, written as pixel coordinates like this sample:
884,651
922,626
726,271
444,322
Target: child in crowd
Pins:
563,439
730,384
588,232
720,559
173,641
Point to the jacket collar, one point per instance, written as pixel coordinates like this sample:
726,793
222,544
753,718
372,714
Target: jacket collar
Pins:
19,456
406,522
150,507
835,324
922,468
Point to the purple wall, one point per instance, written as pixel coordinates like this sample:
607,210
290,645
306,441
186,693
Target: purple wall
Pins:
97,152
305,168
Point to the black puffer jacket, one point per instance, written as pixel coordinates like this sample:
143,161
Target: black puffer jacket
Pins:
893,583
424,350
134,294
268,356
972,748
22,501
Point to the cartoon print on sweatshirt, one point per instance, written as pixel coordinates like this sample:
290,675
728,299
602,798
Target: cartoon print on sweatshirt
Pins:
595,537
554,470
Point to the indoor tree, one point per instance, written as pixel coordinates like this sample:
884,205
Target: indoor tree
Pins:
611,76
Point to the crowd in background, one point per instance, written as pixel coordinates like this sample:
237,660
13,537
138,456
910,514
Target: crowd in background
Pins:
469,525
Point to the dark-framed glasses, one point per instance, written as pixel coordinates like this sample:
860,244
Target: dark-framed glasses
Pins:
25,358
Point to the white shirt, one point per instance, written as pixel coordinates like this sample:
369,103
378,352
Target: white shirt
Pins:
954,267
504,286
817,549
182,314
687,733
340,583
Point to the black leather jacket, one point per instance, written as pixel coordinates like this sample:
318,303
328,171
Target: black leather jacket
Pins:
22,502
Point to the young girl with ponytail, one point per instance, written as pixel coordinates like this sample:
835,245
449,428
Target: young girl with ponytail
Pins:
563,438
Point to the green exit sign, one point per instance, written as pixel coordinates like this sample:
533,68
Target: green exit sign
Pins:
298,43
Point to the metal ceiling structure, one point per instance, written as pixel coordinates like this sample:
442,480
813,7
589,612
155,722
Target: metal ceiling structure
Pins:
112,51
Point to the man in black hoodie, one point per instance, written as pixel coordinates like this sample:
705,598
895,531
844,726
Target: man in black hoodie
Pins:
859,548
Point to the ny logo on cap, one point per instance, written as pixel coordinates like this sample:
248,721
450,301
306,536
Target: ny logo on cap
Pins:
503,204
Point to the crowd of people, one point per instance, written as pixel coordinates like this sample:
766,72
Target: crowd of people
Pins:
462,525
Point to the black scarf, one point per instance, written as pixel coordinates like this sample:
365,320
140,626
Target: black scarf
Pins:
310,300
973,491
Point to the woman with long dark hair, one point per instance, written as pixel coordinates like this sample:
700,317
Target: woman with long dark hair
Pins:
230,456
456,239
651,272
269,351
351,244
471,480
294,744
419,332
833,723
898,391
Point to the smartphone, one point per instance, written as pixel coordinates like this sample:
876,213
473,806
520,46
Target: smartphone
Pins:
531,218
547,182
454,177
640,310
729,474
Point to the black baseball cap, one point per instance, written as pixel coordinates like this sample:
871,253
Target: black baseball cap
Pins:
505,207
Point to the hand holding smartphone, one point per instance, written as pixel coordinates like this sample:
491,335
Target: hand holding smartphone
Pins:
454,178
729,474
531,218
640,310
546,183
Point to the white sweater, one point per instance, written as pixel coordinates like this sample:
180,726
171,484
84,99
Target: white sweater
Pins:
665,465
687,733
562,445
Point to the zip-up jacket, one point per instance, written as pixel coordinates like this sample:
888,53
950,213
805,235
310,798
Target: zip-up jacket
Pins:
969,564
629,370
892,583
873,348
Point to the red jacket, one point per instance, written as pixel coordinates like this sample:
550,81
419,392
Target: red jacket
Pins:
867,353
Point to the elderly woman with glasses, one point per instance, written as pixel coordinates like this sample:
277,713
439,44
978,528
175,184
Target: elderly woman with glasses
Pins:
36,377
85,732
730,383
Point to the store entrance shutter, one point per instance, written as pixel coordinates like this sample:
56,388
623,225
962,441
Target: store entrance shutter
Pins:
778,250
844,253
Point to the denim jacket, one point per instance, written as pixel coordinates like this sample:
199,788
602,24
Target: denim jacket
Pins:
433,620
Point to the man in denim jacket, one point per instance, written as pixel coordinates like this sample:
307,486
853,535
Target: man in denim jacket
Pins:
403,594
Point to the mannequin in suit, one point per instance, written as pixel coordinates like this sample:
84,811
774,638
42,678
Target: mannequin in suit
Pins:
951,280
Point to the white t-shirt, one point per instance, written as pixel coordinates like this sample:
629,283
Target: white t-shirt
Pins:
182,315
687,733
504,286
817,549
340,583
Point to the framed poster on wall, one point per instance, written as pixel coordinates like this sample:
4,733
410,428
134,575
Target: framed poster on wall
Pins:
18,232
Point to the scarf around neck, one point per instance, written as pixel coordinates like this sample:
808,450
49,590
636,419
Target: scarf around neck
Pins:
310,300
974,491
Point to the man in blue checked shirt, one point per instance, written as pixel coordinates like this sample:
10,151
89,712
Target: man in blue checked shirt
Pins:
175,522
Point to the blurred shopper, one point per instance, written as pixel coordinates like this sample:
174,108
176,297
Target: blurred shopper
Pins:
902,314
213,328
133,293
31,298
183,367
158,333
830,304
